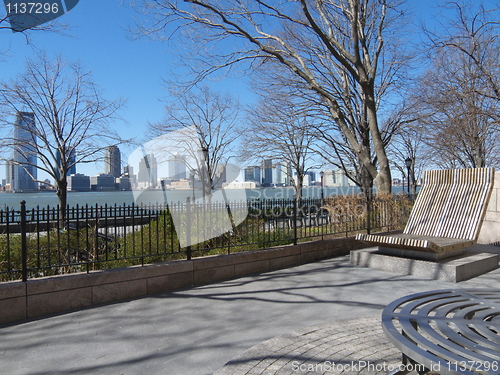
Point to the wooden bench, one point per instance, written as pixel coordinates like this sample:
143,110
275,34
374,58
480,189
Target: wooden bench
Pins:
446,216
447,332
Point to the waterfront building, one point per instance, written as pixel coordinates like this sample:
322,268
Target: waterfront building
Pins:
279,175
123,182
239,185
102,182
328,178
183,183
78,182
288,174
9,171
112,161
306,180
312,177
267,178
148,172
177,167
253,174
24,171
128,171
220,176
342,180
71,161
337,178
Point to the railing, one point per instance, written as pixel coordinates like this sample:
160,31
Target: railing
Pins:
36,242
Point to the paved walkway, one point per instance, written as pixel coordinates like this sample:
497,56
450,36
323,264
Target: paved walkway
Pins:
350,347
197,331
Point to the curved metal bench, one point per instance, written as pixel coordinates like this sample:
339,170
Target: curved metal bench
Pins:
449,332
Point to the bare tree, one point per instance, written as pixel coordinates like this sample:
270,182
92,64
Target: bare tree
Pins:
459,121
473,36
408,143
215,119
70,119
278,132
307,38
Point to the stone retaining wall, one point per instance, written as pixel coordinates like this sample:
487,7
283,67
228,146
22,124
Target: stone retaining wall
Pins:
36,297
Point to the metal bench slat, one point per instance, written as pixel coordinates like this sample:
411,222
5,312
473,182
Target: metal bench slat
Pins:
448,328
469,350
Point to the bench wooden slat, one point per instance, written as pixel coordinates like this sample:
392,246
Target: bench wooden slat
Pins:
451,204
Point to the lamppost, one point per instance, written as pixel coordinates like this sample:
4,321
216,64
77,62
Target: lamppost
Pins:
204,171
322,175
192,180
409,163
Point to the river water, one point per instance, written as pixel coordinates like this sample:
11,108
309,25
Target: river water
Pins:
44,199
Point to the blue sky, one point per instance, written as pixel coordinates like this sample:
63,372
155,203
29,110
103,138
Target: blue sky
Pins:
124,68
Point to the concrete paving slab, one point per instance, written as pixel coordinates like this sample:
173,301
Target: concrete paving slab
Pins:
198,330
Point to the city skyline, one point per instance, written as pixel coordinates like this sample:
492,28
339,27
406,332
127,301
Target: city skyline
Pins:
265,175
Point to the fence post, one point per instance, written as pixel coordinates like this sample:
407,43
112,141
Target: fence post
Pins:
295,220
24,247
188,227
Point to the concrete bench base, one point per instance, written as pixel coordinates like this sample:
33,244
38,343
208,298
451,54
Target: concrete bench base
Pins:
464,267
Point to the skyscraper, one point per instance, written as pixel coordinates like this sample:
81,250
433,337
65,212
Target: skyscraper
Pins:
267,179
252,173
112,161
177,167
9,171
71,160
148,172
24,168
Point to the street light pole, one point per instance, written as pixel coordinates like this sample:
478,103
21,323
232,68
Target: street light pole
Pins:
192,179
322,175
205,172
409,162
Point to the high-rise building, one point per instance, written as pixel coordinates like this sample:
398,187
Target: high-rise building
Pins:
9,171
177,167
312,177
341,178
288,174
148,172
328,178
112,161
71,161
281,174
252,174
24,169
267,179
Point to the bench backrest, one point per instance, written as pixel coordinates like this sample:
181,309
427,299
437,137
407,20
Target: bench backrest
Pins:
451,203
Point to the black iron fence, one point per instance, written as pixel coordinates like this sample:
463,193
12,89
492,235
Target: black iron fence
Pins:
38,242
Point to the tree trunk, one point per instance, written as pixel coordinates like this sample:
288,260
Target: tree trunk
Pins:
383,179
297,187
62,192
